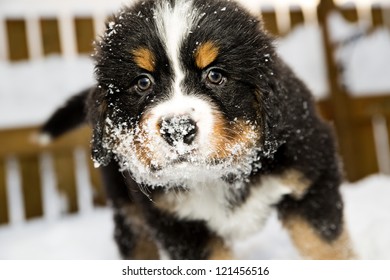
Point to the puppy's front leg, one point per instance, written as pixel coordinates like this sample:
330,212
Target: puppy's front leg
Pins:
132,235
187,240
312,244
315,221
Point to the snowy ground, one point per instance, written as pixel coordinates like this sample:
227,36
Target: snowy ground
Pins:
89,236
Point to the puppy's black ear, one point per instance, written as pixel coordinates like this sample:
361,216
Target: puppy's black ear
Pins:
273,111
272,124
97,114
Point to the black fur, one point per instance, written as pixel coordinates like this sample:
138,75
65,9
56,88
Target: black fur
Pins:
260,87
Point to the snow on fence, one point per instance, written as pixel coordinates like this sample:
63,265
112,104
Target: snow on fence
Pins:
30,30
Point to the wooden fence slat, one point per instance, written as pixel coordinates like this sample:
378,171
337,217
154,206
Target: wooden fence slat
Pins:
380,132
31,186
19,141
363,108
325,109
17,39
4,215
64,166
270,22
350,14
366,154
386,16
50,36
296,17
377,16
341,107
99,197
388,138
85,34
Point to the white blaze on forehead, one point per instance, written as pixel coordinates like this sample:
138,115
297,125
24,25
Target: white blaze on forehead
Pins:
173,25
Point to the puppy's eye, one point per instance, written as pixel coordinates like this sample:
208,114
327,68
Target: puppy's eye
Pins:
215,77
143,84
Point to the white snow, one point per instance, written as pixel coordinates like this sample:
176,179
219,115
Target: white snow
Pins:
90,235
364,56
341,29
367,64
31,91
365,60
73,237
303,50
368,216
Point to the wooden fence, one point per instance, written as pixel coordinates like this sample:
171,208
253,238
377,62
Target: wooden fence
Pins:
362,124
16,146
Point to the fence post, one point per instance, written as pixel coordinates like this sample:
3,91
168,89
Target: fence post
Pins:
339,99
3,194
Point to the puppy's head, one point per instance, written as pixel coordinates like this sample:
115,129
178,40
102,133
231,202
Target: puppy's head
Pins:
183,89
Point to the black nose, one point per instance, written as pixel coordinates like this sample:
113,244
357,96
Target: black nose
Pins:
178,129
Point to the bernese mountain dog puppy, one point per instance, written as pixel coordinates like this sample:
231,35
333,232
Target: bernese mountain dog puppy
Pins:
200,130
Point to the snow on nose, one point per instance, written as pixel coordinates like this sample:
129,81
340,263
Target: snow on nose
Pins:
178,129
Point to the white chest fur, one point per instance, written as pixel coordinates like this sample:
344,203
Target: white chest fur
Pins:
210,203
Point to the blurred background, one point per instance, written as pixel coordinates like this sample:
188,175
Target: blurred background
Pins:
340,49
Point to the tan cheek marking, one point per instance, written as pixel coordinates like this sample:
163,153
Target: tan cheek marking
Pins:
312,246
227,136
142,142
144,58
206,54
219,137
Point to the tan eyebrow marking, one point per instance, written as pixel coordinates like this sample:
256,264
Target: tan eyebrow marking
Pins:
144,58
206,54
